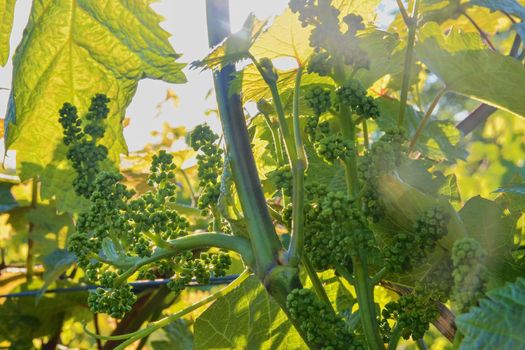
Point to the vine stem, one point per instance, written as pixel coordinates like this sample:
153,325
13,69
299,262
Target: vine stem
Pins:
316,282
409,57
426,118
365,298
295,250
265,243
395,335
237,244
278,105
403,11
275,138
30,261
134,336
480,30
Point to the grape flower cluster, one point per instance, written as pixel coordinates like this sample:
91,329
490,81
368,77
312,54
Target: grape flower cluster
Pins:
322,327
470,274
122,226
385,155
210,162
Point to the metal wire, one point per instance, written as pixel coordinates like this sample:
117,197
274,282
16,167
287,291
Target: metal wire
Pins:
138,287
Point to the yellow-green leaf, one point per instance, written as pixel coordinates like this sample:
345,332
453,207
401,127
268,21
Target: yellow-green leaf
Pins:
71,50
285,38
466,67
7,11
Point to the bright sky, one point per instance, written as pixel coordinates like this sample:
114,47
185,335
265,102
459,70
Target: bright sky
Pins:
186,21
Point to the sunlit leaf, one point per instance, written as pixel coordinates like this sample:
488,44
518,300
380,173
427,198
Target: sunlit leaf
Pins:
511,7
458,58
71,51
285,38
7,10
235,47
254,321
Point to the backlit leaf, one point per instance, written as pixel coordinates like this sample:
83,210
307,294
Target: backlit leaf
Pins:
72,50
458,60
7,10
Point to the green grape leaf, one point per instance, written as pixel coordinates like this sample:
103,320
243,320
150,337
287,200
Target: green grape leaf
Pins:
365,9
48,228
72,50
485,221
517,189
55,264
285,38
450,191
177,336
439,139
458,58
235,47
511,7
7,201
7,12
498,321
385,53
22,320
246,318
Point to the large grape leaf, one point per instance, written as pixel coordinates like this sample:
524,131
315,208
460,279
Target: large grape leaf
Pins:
498,322
467,68
71,50
246,318
512,7
485,220
285,38
7,11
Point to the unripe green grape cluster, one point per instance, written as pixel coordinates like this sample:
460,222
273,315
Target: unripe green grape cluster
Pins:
385,155
413,313
210,162
283,180
407,250
333,147
115,302
335,230
353,95
322,327
470,274
318,99
202,268
83,152
136,226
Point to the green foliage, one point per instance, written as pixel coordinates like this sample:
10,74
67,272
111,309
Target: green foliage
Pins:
255,321
75,65
497,322
457,60
6,24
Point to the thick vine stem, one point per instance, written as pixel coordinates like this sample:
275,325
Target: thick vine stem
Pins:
409,57
132,337
297,238
264,240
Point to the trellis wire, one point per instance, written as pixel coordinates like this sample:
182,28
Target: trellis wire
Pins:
137,287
